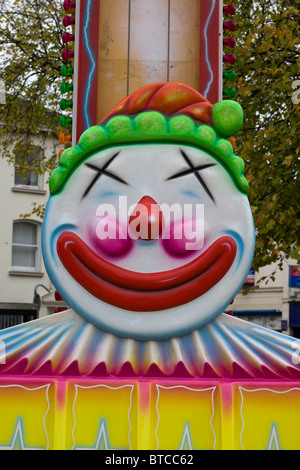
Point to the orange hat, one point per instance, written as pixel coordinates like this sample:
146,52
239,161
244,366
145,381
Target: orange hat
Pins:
167,98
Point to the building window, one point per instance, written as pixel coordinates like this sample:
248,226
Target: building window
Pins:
25,176
25,246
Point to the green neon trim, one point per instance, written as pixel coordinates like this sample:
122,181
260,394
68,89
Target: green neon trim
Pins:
149,127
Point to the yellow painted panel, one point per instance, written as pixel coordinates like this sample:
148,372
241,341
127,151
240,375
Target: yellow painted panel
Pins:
267,417
26,417
120,414
102,416
185,417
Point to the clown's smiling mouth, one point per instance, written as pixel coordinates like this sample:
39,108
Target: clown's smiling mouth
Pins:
143,292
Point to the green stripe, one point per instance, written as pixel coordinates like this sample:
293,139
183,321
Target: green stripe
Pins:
149,127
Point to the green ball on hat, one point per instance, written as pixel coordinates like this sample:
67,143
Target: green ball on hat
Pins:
227,118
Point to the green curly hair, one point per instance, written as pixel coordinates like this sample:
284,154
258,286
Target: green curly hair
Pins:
154,127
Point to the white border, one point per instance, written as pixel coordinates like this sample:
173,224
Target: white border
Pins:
193,390
77,386
258,390
18,427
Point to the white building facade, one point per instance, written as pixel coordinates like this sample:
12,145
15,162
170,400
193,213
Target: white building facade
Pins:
22,272
273,302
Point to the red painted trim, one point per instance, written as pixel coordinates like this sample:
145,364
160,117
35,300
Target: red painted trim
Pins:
83,67
213,49
83,64
145,291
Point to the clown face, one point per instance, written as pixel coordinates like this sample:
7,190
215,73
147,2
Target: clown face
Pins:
148,241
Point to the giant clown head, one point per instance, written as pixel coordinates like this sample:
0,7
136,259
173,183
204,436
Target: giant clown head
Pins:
148,232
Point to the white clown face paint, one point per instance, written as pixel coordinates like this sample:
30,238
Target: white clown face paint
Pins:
170,283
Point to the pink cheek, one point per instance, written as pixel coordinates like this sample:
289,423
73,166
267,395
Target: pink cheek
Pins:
109,237
177,241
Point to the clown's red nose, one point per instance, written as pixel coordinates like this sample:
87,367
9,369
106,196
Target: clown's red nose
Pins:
146,221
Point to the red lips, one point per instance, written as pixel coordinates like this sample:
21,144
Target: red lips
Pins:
142,292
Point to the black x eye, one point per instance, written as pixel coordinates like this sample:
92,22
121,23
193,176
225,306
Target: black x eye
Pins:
100,172
194,169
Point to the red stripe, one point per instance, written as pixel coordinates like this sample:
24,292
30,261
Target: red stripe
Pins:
213,48
83,67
